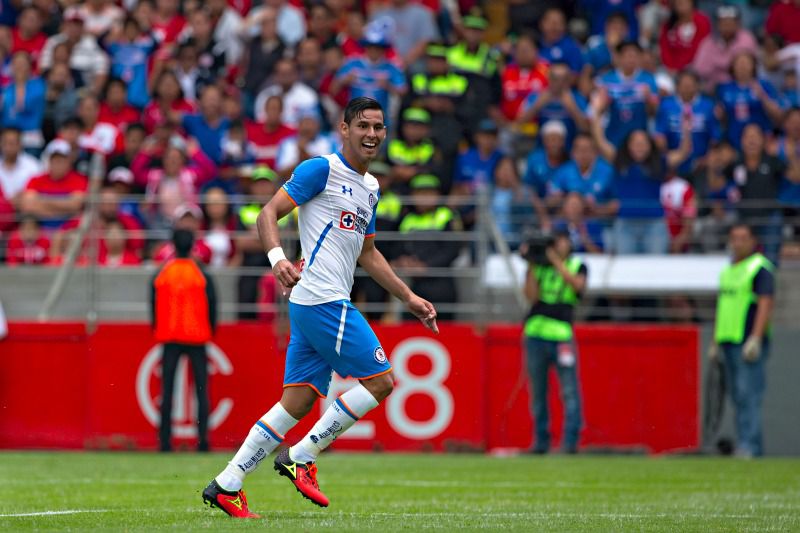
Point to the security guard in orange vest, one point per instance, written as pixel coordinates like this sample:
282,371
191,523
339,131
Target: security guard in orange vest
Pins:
183,307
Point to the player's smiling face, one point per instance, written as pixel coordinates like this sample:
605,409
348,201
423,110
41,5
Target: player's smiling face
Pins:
364,134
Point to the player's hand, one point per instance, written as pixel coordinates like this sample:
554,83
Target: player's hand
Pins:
423,310
751,350
286,273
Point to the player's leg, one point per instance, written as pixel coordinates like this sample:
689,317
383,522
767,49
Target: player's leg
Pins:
199,361
170,354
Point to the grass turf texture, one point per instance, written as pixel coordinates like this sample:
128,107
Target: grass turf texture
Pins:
380,492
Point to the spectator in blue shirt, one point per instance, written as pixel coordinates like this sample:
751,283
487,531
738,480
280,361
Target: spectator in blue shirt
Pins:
557,102
210,125
588,175
371,74
602,10
788,151
640,170
597,57
130,51
475,168
23,102
585,234
789,89
556,44
747,100
628,93
687,104
544,161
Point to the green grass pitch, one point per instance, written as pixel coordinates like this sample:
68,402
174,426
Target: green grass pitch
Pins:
388,492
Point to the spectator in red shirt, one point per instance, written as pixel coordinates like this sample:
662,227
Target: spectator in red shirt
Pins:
525,75
188,217
167,24
114,107
27,35
264,137
28,245
133,138
784,20
168,101
116,252
682,33
680,210
59,194
97,136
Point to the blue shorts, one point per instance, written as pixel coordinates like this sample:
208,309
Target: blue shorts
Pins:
331,336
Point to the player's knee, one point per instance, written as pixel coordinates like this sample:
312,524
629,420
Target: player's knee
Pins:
380,387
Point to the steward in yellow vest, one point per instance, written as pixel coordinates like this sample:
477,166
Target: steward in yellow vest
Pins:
427,222
741,334
412,152
554,284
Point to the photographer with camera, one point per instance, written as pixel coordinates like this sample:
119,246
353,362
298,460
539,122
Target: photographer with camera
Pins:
554,284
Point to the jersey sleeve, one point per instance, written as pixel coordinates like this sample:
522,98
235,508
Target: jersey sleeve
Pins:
308,180
371,226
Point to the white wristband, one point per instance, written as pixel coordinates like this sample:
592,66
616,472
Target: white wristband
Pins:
275,255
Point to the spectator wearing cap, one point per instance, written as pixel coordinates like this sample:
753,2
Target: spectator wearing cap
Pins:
209,126
544,162
586,174
748,99
555,43
16,167
442,92
682,34
175,181
475,169
714,57
121,180
784,19
263,184
187,217
524,75
297,96
414,27
372,75
387,218
23,103
263,50
412,151
557,102
130,51
59,194
97,137
687,104
27,34
85,55
427,247
628,93
264,137
309,142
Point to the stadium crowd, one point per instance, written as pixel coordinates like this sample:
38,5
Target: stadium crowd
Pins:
635,126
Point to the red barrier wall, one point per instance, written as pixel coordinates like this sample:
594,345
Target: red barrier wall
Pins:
63,388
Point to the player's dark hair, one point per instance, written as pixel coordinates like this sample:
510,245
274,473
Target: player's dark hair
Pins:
183,240
356,107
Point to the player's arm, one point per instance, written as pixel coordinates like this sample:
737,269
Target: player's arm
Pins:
278,207
372,260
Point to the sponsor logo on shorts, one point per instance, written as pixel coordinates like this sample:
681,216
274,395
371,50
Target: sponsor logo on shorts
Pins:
380,355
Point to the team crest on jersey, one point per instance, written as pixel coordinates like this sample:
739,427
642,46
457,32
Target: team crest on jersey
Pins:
372,200
347,220
380,355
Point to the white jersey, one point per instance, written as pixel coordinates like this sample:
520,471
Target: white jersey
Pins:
337,212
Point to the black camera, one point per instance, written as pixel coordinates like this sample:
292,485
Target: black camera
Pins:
536,246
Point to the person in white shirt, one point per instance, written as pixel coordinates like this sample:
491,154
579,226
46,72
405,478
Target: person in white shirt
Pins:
16,167
337,199
307,143
297,96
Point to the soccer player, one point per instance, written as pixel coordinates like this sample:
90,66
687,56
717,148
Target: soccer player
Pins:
337,199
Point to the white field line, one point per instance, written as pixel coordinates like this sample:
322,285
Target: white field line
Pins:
51,513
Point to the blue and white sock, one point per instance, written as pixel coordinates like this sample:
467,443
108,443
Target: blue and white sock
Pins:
343,413
263,438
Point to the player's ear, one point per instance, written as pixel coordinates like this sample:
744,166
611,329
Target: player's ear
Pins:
344,128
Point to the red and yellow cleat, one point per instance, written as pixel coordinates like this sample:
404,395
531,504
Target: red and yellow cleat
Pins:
303,476
232,503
